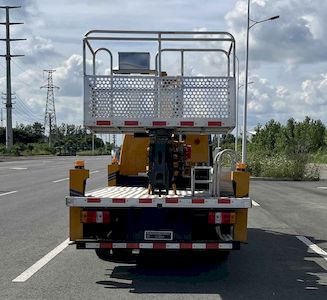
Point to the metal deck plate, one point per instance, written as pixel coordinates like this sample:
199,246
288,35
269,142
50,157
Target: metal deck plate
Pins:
139,192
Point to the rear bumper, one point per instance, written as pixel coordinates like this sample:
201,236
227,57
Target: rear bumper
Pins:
234,245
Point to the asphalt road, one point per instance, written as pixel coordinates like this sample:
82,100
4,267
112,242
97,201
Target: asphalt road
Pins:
275,264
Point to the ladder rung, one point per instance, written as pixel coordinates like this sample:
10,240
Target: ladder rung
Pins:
202,168
202,181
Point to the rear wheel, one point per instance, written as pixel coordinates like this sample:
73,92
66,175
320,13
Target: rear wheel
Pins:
116,255
219,257
103,254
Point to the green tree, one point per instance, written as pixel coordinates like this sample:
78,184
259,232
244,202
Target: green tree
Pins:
266,137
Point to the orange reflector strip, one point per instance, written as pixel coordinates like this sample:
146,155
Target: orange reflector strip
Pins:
118,200
171,200
185,245
93,200
159,245
159,123
187,123
214,123
131,123
133,245
106,245
212,245
223,201
103,123
145,200
197,201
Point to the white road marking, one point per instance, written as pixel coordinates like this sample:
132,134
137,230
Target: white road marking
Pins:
8,193
59,180
254,203
41,263
17,168
322,187
313,246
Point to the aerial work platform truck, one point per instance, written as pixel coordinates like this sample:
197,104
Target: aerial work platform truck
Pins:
168,188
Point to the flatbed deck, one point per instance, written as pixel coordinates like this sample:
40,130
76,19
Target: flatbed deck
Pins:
121,196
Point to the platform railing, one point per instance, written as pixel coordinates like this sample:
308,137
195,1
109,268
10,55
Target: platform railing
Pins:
217,168
161,38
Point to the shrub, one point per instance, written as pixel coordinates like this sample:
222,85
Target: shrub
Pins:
281,166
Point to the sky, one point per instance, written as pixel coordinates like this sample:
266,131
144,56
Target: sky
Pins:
287,58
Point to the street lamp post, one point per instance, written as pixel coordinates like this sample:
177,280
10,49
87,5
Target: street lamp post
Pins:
237,100
237,122
246,77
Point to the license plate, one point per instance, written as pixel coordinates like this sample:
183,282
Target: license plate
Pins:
152,235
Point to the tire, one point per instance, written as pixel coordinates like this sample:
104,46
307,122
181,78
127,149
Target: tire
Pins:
117,255
103,254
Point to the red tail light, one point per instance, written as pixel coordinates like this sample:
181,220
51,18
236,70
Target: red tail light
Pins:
211,218
221,218
93,216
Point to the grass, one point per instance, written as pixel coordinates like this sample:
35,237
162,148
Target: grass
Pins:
91,153
319,157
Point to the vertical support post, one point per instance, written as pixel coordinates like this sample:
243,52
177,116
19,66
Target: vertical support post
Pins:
8,56
9,132
192,180
244,139
157,109
228,66
93,67
1,117
159,53
84,58
92,142
182,62
237,102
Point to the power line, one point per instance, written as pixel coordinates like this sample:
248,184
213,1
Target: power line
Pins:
29,110
24,109
27,116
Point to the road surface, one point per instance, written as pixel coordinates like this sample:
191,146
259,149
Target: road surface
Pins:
284,258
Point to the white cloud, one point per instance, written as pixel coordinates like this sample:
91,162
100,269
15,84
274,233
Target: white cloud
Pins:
314,91
69,76
291,39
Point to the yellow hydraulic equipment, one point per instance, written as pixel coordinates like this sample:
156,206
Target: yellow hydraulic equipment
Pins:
77,182
241,179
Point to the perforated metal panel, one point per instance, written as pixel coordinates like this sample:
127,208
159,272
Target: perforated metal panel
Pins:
146,98
207,98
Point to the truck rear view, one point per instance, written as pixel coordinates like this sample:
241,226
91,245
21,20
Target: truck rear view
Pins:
169,189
